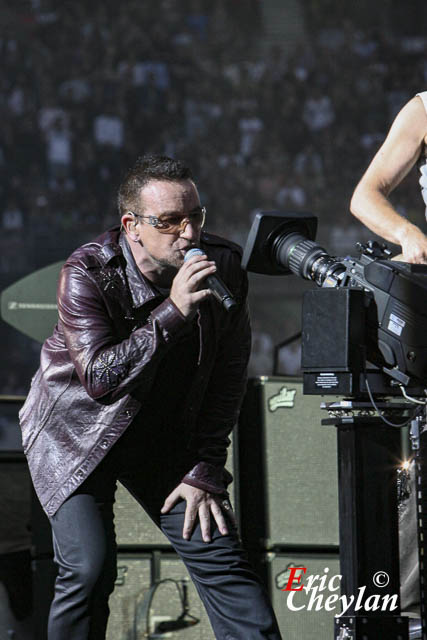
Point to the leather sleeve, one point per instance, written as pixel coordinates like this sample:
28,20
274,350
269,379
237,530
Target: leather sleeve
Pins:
107,368
221,404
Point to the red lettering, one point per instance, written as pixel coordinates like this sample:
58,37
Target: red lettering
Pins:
295,578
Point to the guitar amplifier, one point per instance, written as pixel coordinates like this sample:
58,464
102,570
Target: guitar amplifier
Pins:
10,432
15,482
288,467
132,615
297,618
16,598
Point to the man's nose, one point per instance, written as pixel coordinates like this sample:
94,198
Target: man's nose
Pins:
189,231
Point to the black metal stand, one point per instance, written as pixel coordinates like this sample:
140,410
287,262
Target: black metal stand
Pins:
368,456
419,446
371,627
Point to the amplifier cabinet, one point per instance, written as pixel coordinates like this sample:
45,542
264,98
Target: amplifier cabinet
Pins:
288,467
44,575
10,432
306,622
10,627
132,524
15,494
129,615
137,572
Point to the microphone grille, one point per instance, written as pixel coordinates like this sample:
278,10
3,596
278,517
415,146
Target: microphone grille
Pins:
193,252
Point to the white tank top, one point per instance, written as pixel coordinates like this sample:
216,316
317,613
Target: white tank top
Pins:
422,162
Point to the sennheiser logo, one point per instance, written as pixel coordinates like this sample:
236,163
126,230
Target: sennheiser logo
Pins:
39,306
283,399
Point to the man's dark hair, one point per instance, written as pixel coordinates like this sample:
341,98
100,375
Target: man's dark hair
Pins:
146,168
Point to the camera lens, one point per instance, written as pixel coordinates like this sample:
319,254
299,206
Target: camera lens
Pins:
306,258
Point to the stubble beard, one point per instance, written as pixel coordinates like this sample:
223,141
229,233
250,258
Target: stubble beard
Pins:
169,266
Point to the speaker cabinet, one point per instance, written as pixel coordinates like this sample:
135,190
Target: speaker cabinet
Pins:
44,576
10,627
10,432
288,467
15,482
130,615
304,623
15,493
135,528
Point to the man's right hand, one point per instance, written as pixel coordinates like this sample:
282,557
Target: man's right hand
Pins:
185,292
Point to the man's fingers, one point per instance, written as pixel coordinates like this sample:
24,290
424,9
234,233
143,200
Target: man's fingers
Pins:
201,505
198,296
170,501
205,521
196,276
219,518
195,264
189,279
189,520
202,273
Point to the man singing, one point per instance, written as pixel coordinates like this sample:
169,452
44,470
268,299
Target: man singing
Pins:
141,382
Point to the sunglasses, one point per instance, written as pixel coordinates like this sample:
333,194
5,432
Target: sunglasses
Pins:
175,224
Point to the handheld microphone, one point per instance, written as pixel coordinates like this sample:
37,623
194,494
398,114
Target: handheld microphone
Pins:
215,284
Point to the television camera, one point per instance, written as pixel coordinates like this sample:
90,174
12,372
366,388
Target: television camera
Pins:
369,309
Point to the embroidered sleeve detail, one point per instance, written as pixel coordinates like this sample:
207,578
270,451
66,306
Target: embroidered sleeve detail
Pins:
109,370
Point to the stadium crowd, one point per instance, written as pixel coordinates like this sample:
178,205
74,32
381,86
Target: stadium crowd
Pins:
86,87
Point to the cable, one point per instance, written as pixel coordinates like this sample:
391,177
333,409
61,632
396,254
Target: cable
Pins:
184,620
390,424
146,606
410,398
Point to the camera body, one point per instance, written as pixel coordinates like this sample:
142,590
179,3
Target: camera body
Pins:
380,318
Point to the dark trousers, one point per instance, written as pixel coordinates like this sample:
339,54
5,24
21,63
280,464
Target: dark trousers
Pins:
85,550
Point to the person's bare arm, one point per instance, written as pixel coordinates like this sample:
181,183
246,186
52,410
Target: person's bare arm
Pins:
398,154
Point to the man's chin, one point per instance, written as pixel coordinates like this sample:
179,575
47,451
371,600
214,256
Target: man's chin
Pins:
172,264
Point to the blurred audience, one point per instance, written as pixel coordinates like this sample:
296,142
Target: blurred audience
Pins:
86,87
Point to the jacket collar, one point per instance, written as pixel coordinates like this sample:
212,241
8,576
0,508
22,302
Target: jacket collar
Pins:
141,289
113,244
108,245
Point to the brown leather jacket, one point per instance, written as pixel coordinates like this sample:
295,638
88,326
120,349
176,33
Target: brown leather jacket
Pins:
112,332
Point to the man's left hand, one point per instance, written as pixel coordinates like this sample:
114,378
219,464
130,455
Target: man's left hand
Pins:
203,504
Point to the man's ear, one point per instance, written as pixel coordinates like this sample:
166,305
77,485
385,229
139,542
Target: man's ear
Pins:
130,226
